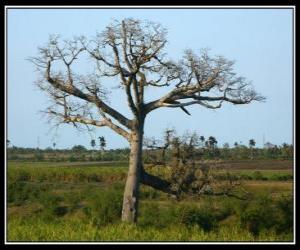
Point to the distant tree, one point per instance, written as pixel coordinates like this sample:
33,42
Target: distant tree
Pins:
8,143
102,143
212,142
286,151
79,148
251,145
202,139
93,143
54,145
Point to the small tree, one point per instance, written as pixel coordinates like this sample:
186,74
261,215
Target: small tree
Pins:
251,145
102,143
132,51
211,145
190,177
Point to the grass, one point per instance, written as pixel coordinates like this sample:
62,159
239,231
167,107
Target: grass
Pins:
83,203
76,230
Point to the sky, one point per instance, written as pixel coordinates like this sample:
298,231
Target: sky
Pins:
260,41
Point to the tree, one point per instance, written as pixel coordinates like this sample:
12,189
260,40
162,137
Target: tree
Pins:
102,143
251,145
132,52
202,139
211,145
212,142
93,143
79,148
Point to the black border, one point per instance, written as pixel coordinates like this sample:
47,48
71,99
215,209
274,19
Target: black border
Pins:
288,5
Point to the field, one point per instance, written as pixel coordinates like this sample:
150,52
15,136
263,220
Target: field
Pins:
83,201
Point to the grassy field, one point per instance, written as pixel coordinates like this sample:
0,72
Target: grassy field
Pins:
82,202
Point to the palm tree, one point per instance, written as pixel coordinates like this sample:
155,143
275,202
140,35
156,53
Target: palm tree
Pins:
202,139
93,144
251,145
211,144
102,143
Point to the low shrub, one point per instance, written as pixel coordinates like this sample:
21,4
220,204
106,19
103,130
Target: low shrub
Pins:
104,207
266,214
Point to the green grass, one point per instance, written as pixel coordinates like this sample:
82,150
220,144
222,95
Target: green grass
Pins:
83,203
76,230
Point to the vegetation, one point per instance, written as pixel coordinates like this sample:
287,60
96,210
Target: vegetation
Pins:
225,153
83,203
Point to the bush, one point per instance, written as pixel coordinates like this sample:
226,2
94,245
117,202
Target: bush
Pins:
257,175
52,207
285,207
265,214
18,192
106,207
203,217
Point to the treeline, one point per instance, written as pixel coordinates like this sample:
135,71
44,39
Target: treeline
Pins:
80,153
77,153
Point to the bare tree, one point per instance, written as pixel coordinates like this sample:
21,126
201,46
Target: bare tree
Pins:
132,51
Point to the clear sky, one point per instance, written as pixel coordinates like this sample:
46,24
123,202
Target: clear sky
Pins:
259,40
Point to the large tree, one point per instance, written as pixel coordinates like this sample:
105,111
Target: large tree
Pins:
132,52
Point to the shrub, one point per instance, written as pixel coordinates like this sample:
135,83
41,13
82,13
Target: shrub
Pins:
285,206
19,192
259,215
105,207
52,207
203,217
257,175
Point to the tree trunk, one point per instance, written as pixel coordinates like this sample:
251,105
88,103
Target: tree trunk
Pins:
131,193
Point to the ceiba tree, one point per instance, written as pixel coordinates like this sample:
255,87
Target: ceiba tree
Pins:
132,52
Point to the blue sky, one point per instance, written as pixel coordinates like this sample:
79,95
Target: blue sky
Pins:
259,40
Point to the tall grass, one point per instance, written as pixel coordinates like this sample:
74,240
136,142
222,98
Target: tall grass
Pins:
84,204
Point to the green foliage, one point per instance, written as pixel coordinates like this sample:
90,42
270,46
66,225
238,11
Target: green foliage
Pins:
285,207
105,207
78,148
18,192
51,202
52,206
266,214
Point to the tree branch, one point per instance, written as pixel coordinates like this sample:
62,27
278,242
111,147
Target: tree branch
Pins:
157,183
72,90
83,120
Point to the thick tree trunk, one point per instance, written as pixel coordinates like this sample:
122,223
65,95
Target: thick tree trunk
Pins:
131,193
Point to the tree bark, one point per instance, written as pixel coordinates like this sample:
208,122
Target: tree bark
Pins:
131,193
